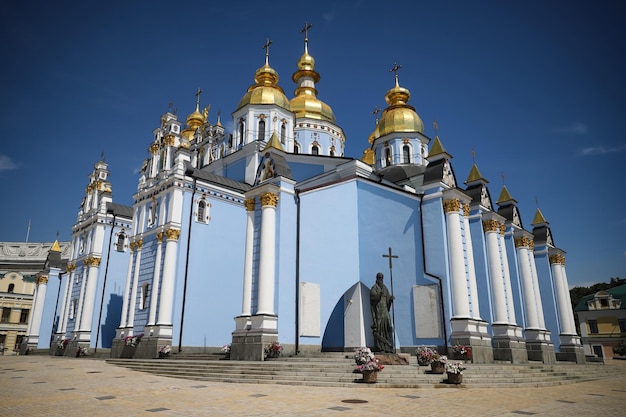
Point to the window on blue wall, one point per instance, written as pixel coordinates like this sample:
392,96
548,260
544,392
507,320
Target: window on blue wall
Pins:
121,239
387,153
593,326
144,295
240,132
315,150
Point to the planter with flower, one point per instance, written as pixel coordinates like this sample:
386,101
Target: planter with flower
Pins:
426,355
130,344
164,351
455,372
82,351
61,345
462,352
367,364
438,365
226,350
273,350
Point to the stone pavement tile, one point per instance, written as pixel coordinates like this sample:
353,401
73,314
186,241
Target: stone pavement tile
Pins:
71,387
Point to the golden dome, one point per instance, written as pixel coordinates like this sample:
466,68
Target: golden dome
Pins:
368,156
265,90
399,116
305,103
195,119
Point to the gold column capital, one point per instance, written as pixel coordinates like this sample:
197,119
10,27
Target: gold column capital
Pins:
466,209
523,242
491,226
249,203
42,279
452,205
172,234
557,259
159,237
269,199
92,261
154,148
170,140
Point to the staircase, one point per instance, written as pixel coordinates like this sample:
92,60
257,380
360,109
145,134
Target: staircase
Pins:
336,370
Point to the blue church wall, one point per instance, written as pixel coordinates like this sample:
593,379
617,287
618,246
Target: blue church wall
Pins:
356,244
285,288
300,171
146,272
111,278
436,250
481,265
214,275
548,298
235,170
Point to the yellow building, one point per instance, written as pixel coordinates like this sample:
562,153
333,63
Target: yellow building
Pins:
602,318
21,263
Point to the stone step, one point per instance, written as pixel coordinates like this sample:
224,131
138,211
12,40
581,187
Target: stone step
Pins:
337,371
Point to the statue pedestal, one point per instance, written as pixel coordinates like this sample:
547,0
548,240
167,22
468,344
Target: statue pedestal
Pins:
393,358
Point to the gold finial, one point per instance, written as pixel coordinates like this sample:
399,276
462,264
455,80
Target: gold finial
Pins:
305,30
395,69
375,112
473,156
266,46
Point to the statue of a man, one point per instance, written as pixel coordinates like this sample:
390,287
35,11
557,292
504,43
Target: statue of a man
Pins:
380,302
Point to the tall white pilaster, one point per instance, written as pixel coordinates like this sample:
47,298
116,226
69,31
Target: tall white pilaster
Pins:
156,279
471,270
67,294
127,286
565,316
132,296
267,265
40,298
246,308
166,300
93,264
460,302
491,229
522,245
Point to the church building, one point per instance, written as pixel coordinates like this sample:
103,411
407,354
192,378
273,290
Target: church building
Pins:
270,233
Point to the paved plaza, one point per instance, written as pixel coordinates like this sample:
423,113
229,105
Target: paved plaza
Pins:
38,385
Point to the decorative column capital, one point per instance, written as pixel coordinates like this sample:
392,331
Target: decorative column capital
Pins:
172,234
42,279
466,209
154,148
249,203
269,199
71,267
451,206
92,261
502,228
170,140
159,237
523,242
491,226
557,259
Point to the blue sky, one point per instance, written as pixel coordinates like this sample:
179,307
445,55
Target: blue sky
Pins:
535,89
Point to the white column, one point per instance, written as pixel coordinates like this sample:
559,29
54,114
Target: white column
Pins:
498,289
81,297
132,296
268,252
533,268
460,302
246,308
473,289
561,294
127,286
156,279
506,277
569,298
166,301
40,298
90,293
530,304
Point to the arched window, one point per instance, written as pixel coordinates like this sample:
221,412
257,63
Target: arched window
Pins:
11,288
240,132
315,150
121,239
387,156
261,129
201,208
283,133
406,154
296,148
145,289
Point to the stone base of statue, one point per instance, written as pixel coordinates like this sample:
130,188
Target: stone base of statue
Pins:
393,358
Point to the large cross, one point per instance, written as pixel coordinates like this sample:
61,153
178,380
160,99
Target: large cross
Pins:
395,69
307,26
266,46
391,256
198,96
376,111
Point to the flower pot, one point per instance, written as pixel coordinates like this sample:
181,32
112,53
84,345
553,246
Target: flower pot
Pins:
437,367
455,378
370,377
423,362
